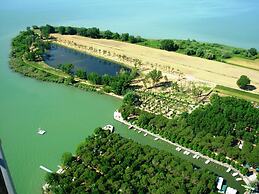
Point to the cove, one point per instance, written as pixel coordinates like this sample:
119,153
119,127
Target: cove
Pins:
57,55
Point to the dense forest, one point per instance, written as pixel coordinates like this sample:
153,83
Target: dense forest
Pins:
215,129
109,163
211,51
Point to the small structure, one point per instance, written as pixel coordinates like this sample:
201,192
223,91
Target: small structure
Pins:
219,183
45,169
108,128
117,116
41,131
228,170
235,174
231,191
207,162
240,144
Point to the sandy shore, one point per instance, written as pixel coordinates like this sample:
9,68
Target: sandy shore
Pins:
170,63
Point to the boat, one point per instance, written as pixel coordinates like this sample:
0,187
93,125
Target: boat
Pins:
145,134
41,131
194,156
130,127
238,179
207,162
108,128
235,174
187,153
197,157
228,170
139,131
156,138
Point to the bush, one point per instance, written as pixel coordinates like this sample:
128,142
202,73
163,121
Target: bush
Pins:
252,51
169,45
243,81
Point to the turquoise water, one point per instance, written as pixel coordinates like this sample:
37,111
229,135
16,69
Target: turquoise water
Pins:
69,114
232,22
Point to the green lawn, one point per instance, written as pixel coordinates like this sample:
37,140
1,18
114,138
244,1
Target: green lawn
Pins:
237,93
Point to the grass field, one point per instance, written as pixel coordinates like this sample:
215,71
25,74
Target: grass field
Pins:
248,63
237,93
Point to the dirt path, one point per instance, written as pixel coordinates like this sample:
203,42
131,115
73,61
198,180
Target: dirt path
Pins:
170,63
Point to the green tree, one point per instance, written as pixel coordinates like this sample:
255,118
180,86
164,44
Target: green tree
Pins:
169,45
70,30
94,78
252,51
66,68
243,81
125,36
131,98
155,76
93,32
107,34
66,158
81,74
61,30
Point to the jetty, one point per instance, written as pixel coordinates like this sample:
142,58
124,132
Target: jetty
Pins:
45,169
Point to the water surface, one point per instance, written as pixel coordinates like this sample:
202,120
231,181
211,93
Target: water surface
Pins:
57,55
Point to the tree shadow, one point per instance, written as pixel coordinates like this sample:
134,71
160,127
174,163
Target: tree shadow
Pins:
249,87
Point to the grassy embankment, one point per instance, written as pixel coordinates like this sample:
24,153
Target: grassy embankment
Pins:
237,93
41,71
223,53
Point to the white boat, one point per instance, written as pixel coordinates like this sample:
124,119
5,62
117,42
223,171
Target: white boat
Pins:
108,128
197,157
238,179
235,174
156,138
145,134
187,153
139,131
194,156
207,162
41,131
130,126
228,170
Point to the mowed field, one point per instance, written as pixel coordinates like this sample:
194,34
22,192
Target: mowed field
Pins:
192,67
253,64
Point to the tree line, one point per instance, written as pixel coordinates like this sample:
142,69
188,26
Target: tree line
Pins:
88,32
215,129
108,163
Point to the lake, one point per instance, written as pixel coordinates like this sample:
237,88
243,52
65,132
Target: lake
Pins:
69,114
57,55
